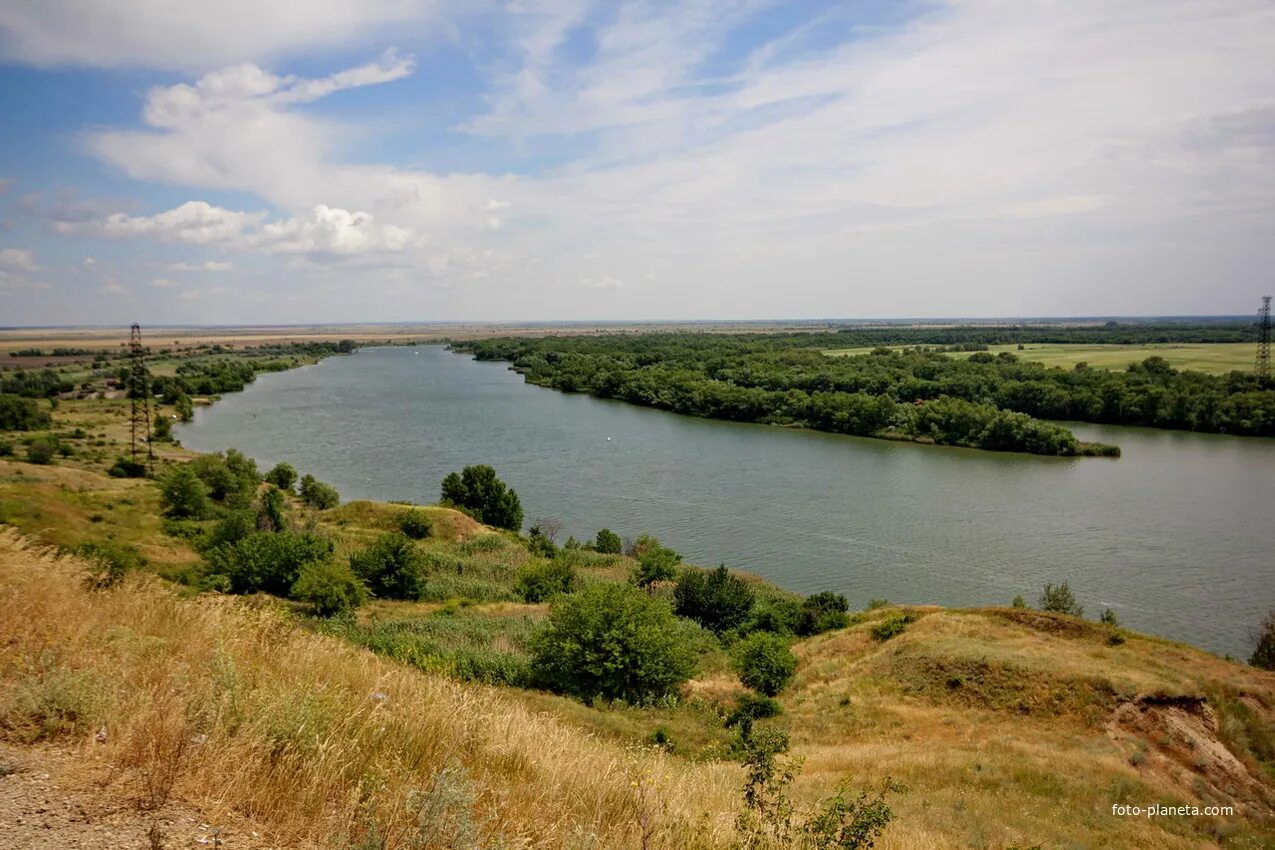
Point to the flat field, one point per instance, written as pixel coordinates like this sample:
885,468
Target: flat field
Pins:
1215,358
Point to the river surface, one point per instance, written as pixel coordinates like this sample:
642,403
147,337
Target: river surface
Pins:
1175,536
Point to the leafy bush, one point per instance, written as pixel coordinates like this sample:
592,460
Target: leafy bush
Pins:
108,563
415,524
231,478
392,567
330,587
777,614
655,562
823,612
1108,618
21,414
717,600
126,468
316,494
537,582
611,641
183,494
764,662
1264,644
891,626
270,515
40,451
539,544
750,707
283,476
608,542
162,428
1019,602
265,561
478,490
1059,599
234,525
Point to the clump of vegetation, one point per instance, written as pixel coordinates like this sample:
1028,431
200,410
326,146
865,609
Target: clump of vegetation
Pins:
764,662
330,587
108,563
717,600
392,567
183,494
1108,618
21,414
608,542
283,476
127,468
655,561
262,561
891,626
1058,599
486,497
1264,644
1019,602
823,612
538,582
318,495
40,451
612,641
415,524
162,429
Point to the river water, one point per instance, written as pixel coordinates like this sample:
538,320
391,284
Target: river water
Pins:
1175,536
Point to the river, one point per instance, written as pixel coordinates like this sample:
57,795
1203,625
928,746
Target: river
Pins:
1174,536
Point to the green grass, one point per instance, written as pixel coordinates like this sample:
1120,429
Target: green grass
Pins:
1215,358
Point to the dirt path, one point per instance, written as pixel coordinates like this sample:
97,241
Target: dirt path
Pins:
49,802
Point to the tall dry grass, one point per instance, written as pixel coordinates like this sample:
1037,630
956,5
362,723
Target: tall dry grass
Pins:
233,708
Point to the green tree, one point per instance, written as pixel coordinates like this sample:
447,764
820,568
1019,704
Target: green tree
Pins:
270,516
479,491
1108,618
185,410
1058,599
330,587
537,582
656,562
1264,644
717,600
392,567
41,450
415,524
21,414
612,641
823,612
608,542
267,562
183,494
162,429
283,476
316,494
764,662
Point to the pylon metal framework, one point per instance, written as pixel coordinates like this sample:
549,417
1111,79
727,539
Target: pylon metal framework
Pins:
1263,369
139,394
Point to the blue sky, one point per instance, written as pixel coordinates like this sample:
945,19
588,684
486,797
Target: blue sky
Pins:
393,160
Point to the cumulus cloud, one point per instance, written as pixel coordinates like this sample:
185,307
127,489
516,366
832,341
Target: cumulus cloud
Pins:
18,259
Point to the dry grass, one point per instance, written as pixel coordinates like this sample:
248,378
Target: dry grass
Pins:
234,709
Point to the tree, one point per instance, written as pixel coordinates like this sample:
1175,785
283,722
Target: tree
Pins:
1264,644
270,512
40,450
538,582
479,491
162,431
1058,599
764,662
21,414
612,641
717,600
185,410
183,494
656,562
823,612
392,567
316,494
283,476
608,542
415,524
265,561
330,587
1108,618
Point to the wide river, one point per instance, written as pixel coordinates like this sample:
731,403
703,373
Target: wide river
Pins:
1175,536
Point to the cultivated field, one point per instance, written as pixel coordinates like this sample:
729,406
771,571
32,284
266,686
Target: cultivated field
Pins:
1215,358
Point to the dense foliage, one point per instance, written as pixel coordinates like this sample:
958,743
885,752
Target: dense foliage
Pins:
392,567
21,414
718,600
992,402
264,561
486,497
316,494
764,662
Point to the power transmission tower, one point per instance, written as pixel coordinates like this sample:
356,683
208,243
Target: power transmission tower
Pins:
1264,341
139,394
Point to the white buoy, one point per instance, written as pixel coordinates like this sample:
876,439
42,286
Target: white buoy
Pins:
608,439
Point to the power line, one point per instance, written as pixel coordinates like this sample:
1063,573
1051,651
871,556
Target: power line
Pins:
139,394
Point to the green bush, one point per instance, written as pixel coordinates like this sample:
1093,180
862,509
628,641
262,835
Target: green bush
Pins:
608,542
717,600
316,494
392,567
537,582
764,662
612,641
126,468
231,478
777,614
283,476
656,562
891,626
486,497
162,429
41,450
1059,599
267,562
234,525
1108,618
183,494
1019,602
21,414
330,587
823,612
750,707
1264,644
108,563
415,524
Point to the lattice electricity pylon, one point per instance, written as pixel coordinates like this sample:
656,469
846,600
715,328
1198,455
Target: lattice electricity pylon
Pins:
1263,369
139,394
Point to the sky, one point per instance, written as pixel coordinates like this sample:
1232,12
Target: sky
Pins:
300,161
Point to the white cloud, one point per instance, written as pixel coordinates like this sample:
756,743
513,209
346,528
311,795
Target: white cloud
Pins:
112,287
602,282
18,259
165,34
88,262
333,231
163,283
206,266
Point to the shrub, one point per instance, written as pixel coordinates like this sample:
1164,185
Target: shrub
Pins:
611,641
717,600
330,587
540,581
230,478
415,524
40,451
316,494
775,614
1059,599
608,542
234,526
183,493
1108,618
891,626
268,562
539,544
823,612
108,563
21,414
270,512
1264,644
283,476
1019,602
479,491
750,707
126,468
392,567
162,430
655,563
764,662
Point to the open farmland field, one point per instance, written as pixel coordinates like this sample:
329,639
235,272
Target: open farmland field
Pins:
1215,358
